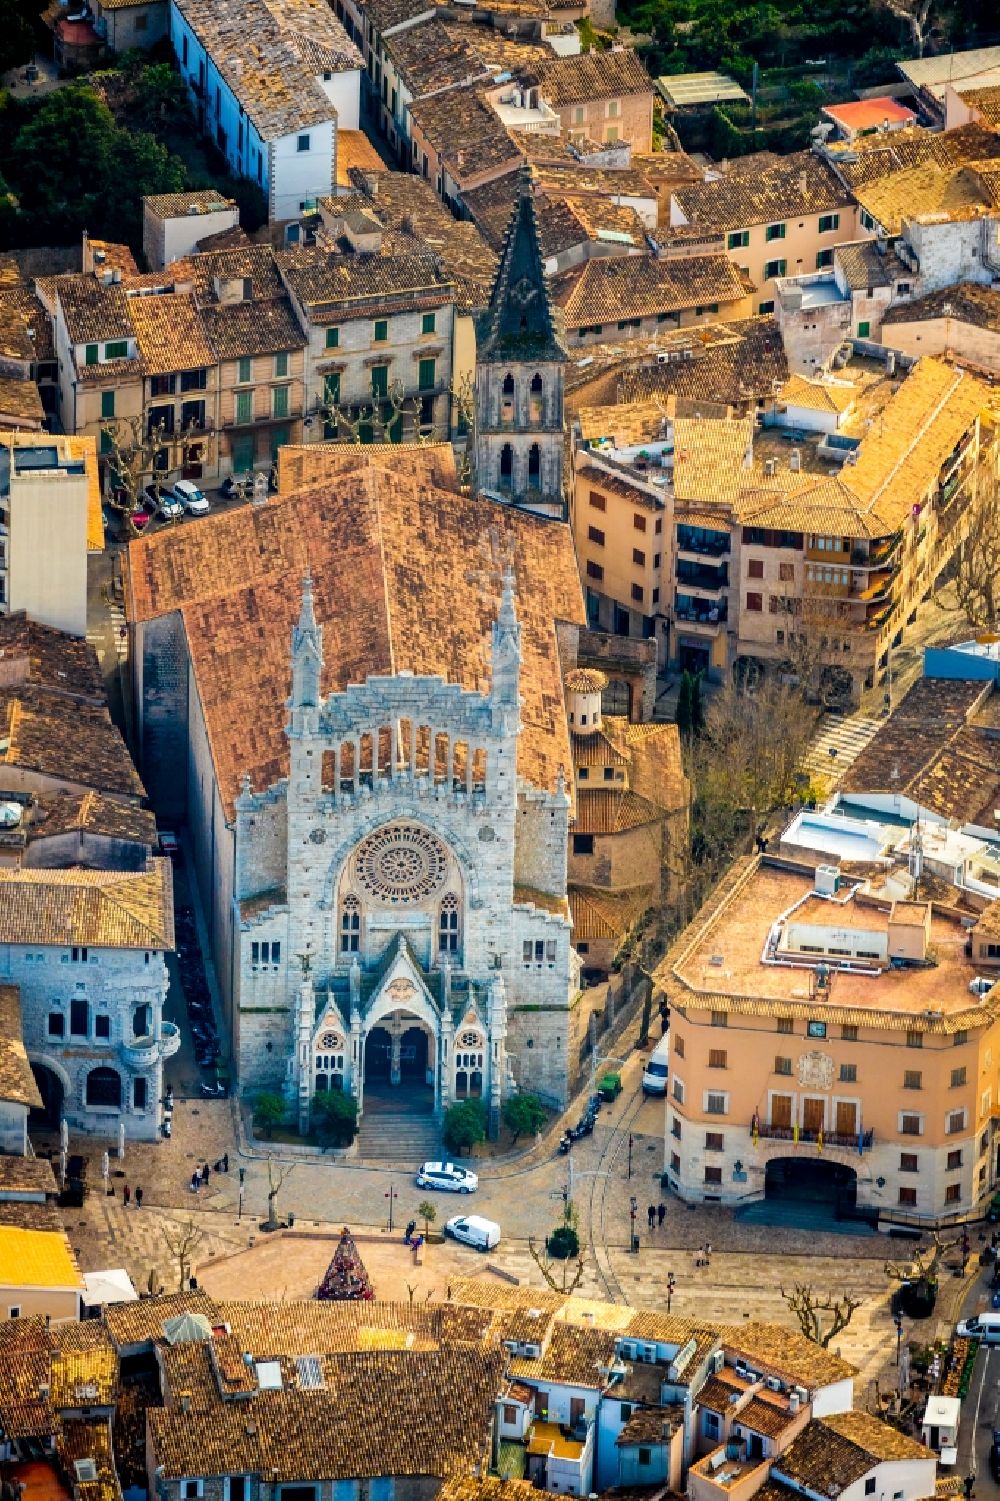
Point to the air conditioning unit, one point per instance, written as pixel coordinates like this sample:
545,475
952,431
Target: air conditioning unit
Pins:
801,1393
741,1369
718,1361
827,879
774,1384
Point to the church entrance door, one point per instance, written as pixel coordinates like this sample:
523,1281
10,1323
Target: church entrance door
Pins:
378,1057
399,1067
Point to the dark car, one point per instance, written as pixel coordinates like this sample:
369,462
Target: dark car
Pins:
995,1460
993,1213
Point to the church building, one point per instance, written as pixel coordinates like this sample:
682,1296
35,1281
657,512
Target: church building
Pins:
353,694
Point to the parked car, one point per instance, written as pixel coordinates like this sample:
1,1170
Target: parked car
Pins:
473,1231
654,1075
447,1176
982,985
192,499
609,1087
985,1328
141,516
995,1458
169,505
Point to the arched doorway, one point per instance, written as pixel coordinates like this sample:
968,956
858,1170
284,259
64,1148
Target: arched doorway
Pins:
51,1090
814,1183
399,1066
104,1089
413,1052
378,1057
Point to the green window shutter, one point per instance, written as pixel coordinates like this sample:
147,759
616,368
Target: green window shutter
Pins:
243,453
105,442
281,401
116,351
332,338
331,389
245,373
427,323
107,403
91,355
863,330
244,406
380,381
428,373
381,331
281,364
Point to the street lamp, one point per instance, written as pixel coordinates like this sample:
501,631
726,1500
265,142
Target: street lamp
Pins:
630,1156
671,1284
899,1334
243,1175
633,1210
392,1196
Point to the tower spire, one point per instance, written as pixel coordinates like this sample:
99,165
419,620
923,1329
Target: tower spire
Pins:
307,652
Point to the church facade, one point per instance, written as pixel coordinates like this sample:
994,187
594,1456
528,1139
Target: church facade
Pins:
396,950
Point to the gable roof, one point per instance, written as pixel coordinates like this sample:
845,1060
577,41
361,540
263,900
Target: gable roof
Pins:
607,290
89,908
762,190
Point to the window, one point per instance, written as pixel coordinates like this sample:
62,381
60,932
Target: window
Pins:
350,926
594,534
675,1163
675,1128
849,1034
907,1196
107,403
244,407
914,1039
428,323
639,557
848,1073
104,1088
594,571
816,1029
678,1090
138,1094
755,568
191,1489
739,239
117,350
280,365
716,1104
427,375
864,328
302,143
913,1079
279,401
957,1077
717,1058
679,1047
597,501
90,354
720,1019
908,1162
755,602
782,1065
332,338
331,388
774,268
244,370
911,1125
953,1193
828,223
764,308
79,1019
955,1122
102,1025
14,1311
774,232
57,1024
448,926
954,1160
237,1486
380,382
637,594
786,1025
194,380
583,844
823,258
712,1175
638,522
381,332
961,1038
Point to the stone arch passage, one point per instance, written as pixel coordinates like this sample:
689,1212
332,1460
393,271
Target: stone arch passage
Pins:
50,1087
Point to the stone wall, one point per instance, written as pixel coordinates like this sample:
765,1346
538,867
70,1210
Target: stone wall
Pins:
160,667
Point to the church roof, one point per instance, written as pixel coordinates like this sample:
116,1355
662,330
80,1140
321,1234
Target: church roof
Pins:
519,323
403,578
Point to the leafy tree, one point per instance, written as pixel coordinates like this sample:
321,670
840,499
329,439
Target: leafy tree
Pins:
17,34
524,1114
335,1115
268,1111
683,715
465,1125
697,709
564,1243
428,1213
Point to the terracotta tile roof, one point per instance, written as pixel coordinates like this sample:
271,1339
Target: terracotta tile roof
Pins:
490,1488
92,311
966,302
816,395
108,255
651,1425
863,266
269,52
870,157
574,1354
92,813
929,191
28,1216
433,56
466,132
256,263
303,465
20,401
90,908
870,114
17,1082
386,14
786,1352
613,810
379,1413
543,900
26,1347
109,372
363,540
182,205
829,1461
765,191
141,1323
731,363
879,1440
768,1418
80,1441
594,75
597,913
84,1371
985,101
264,326
988,924
605,291
327,283
25,329
171,334
65,740
720,1390
37,1258
45,657
232,238
24,1174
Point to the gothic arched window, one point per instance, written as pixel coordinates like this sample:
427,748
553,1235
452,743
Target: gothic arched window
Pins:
507,400
508,384
350,926
448,926
536,407
506,467
534,464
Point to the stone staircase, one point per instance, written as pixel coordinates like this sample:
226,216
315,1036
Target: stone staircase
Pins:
388,1136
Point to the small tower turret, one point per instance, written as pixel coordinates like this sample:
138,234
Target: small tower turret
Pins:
584,686
506,660
307,653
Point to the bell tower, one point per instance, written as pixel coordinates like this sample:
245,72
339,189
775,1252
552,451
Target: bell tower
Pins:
520,363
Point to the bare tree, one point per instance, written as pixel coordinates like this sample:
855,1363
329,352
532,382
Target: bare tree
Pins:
563,1285
182,1241
809,1308
916,14
978,579
133,451
276,1177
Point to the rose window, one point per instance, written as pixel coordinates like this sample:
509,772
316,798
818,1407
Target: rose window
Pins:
402,864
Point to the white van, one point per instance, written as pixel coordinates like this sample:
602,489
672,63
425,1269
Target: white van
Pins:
654,1075
985,1327
474,1231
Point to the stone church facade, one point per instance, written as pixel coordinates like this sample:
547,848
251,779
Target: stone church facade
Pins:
395,946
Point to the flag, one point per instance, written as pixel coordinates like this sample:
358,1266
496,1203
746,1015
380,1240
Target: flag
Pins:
819,1140
861,1143
756,1129
795,1131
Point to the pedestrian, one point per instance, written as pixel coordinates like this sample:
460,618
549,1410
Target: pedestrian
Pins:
651,1215
195,1180
661,1214
205,1173
138,1197
708,1254
700,1258
225,1162
127,1195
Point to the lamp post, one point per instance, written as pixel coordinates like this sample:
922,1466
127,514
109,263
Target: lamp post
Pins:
671,1284
633,1210
392,1196
899,1334
630,1156
243,1175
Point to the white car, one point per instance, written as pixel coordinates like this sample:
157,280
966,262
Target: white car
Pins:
481,1234
447,1176
982,985
191,498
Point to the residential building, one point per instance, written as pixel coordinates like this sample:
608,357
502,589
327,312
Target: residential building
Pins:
51,520
859,117
39,1275
459,143
128,25
931,77
821,312
638,298
271,83
27,354
18,1090
781,216
961,323
604,96
20,405
631,819
175,224
520,359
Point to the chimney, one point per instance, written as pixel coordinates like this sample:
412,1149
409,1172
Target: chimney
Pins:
803,183
795,460
185,1401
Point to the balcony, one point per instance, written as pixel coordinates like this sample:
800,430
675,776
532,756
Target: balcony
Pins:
170,1039
848,1140
698,576
700,612
878,555
705,544
141,1052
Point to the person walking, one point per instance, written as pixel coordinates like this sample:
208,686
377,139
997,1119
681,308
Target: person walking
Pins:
708,1253
196,1180
661,1214
138,1197
205,1174
126,1195
651,1215
225,1162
